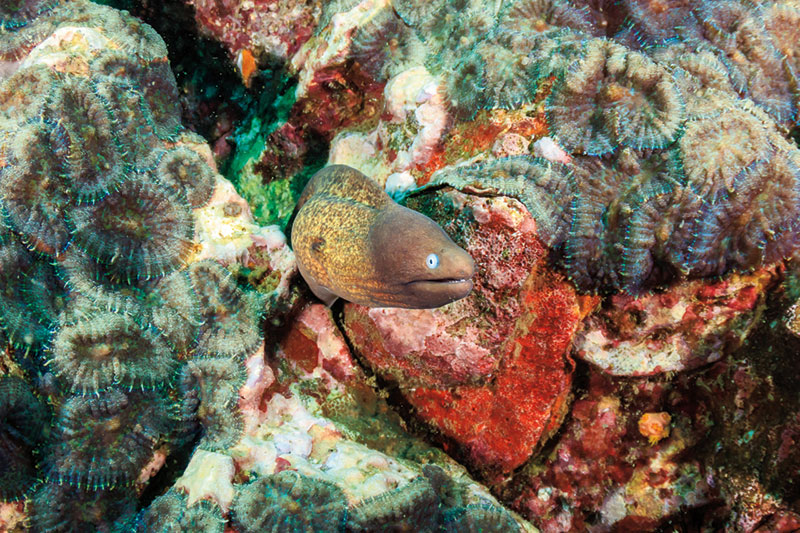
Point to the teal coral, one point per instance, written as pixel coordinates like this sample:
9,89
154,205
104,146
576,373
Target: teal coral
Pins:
614,97
94,162
671,127
30,306
99,179
183,170
34,190
170,513
209,387
634,223
231,316
23,420
296,502
413,506
60,508
110,349
167,303
102,441
141,231
479,518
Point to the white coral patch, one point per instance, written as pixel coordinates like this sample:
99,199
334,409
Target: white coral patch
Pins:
208,476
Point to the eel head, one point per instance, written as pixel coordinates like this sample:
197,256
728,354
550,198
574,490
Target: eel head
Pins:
419,266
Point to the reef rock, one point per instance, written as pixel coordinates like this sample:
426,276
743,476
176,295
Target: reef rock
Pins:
690,325
489,375
319,427
605,473
266,31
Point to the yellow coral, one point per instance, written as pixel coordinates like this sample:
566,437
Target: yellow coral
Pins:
654,426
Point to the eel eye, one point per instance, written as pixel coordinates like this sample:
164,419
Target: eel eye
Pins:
432,260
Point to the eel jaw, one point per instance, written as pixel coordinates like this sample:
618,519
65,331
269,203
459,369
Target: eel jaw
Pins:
440,291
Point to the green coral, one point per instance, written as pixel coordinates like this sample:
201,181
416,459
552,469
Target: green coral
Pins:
290,501
99,183
170,513
24,421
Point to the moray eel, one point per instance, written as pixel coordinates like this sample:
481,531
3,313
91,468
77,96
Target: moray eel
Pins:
352,241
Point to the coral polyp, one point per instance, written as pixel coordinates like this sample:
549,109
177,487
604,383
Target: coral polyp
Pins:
168,303
170,513
34,190
466,90
755,65
19,32
110,349
289,501
25,93
143,230
717,149
94,161
128,112
675,22
413,506
540,184
185,172
231,316
728,231
102,441
613,97
26,321
62,508
23,418
380,43
479,518
544,15
210,390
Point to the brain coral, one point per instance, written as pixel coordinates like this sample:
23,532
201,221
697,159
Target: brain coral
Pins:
99,307
674,120
614,97
290,501
170,513
641,220
23,417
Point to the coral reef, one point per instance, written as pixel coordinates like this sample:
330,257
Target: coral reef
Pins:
124,307
639,137
169,513
99,312
296,503
625,83
23,418
628,184
593,210
104,440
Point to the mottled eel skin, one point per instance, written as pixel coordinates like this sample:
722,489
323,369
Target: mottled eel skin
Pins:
352,241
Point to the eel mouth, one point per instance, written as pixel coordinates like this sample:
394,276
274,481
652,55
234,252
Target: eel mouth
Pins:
455,285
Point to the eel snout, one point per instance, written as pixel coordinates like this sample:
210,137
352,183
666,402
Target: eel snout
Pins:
420,259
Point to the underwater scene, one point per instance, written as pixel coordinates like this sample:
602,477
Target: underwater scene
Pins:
399,266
